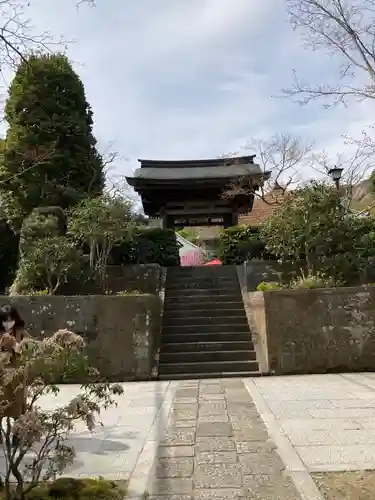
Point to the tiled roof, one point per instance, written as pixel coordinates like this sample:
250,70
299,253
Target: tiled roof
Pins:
263,208
213,162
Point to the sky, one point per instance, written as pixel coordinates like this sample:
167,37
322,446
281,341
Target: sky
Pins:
187,79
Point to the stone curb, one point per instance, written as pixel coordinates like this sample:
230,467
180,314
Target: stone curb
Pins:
143,470
294,465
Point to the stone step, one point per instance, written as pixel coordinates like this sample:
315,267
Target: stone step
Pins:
194,376
202,285
242,327
222,319
205,292
206,306
189,338
175,345
186,272
208,367
205,356
202,279
171,301
222,310
205,327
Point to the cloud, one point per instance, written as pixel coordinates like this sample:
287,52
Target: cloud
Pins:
193,78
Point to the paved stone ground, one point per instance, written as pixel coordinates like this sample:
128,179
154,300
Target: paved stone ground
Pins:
209,440
216,446
113,449
329,419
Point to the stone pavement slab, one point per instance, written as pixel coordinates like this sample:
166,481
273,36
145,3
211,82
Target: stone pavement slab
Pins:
329,419
233,456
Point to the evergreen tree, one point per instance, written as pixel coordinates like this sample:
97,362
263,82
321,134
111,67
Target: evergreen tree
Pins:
50,156
8,255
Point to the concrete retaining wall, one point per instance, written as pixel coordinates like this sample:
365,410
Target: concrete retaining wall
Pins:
314,331
122,332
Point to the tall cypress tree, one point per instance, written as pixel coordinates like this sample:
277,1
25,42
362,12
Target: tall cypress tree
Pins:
50,156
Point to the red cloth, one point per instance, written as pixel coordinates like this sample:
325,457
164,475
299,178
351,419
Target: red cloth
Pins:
215,262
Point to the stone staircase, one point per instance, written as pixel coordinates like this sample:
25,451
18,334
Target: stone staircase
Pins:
205,329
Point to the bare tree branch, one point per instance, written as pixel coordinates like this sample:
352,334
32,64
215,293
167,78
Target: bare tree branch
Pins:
357,163
285,157
116,185
19,38
91,3
108,159
17,34
344,29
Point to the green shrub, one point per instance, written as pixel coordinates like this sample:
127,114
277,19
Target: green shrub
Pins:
314,228
42,223
239,244
372,181
101,223
78,489
46,264
148,246
129,292
39,293
190,234
312,281
266,286
42,247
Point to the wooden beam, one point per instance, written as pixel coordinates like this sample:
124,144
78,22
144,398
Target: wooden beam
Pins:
189,212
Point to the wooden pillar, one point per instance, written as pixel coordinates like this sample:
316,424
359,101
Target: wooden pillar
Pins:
227,221
164,220
168,221
230,220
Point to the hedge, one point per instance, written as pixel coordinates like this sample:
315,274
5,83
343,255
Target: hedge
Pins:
240,243
148,246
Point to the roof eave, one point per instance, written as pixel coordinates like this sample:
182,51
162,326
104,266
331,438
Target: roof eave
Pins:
135,181
185,163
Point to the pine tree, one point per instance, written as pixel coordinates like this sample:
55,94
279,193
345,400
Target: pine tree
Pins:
50,156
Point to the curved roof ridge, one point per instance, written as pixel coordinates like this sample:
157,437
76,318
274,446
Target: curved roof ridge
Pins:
191,163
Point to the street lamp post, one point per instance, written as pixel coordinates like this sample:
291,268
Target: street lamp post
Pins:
335,174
